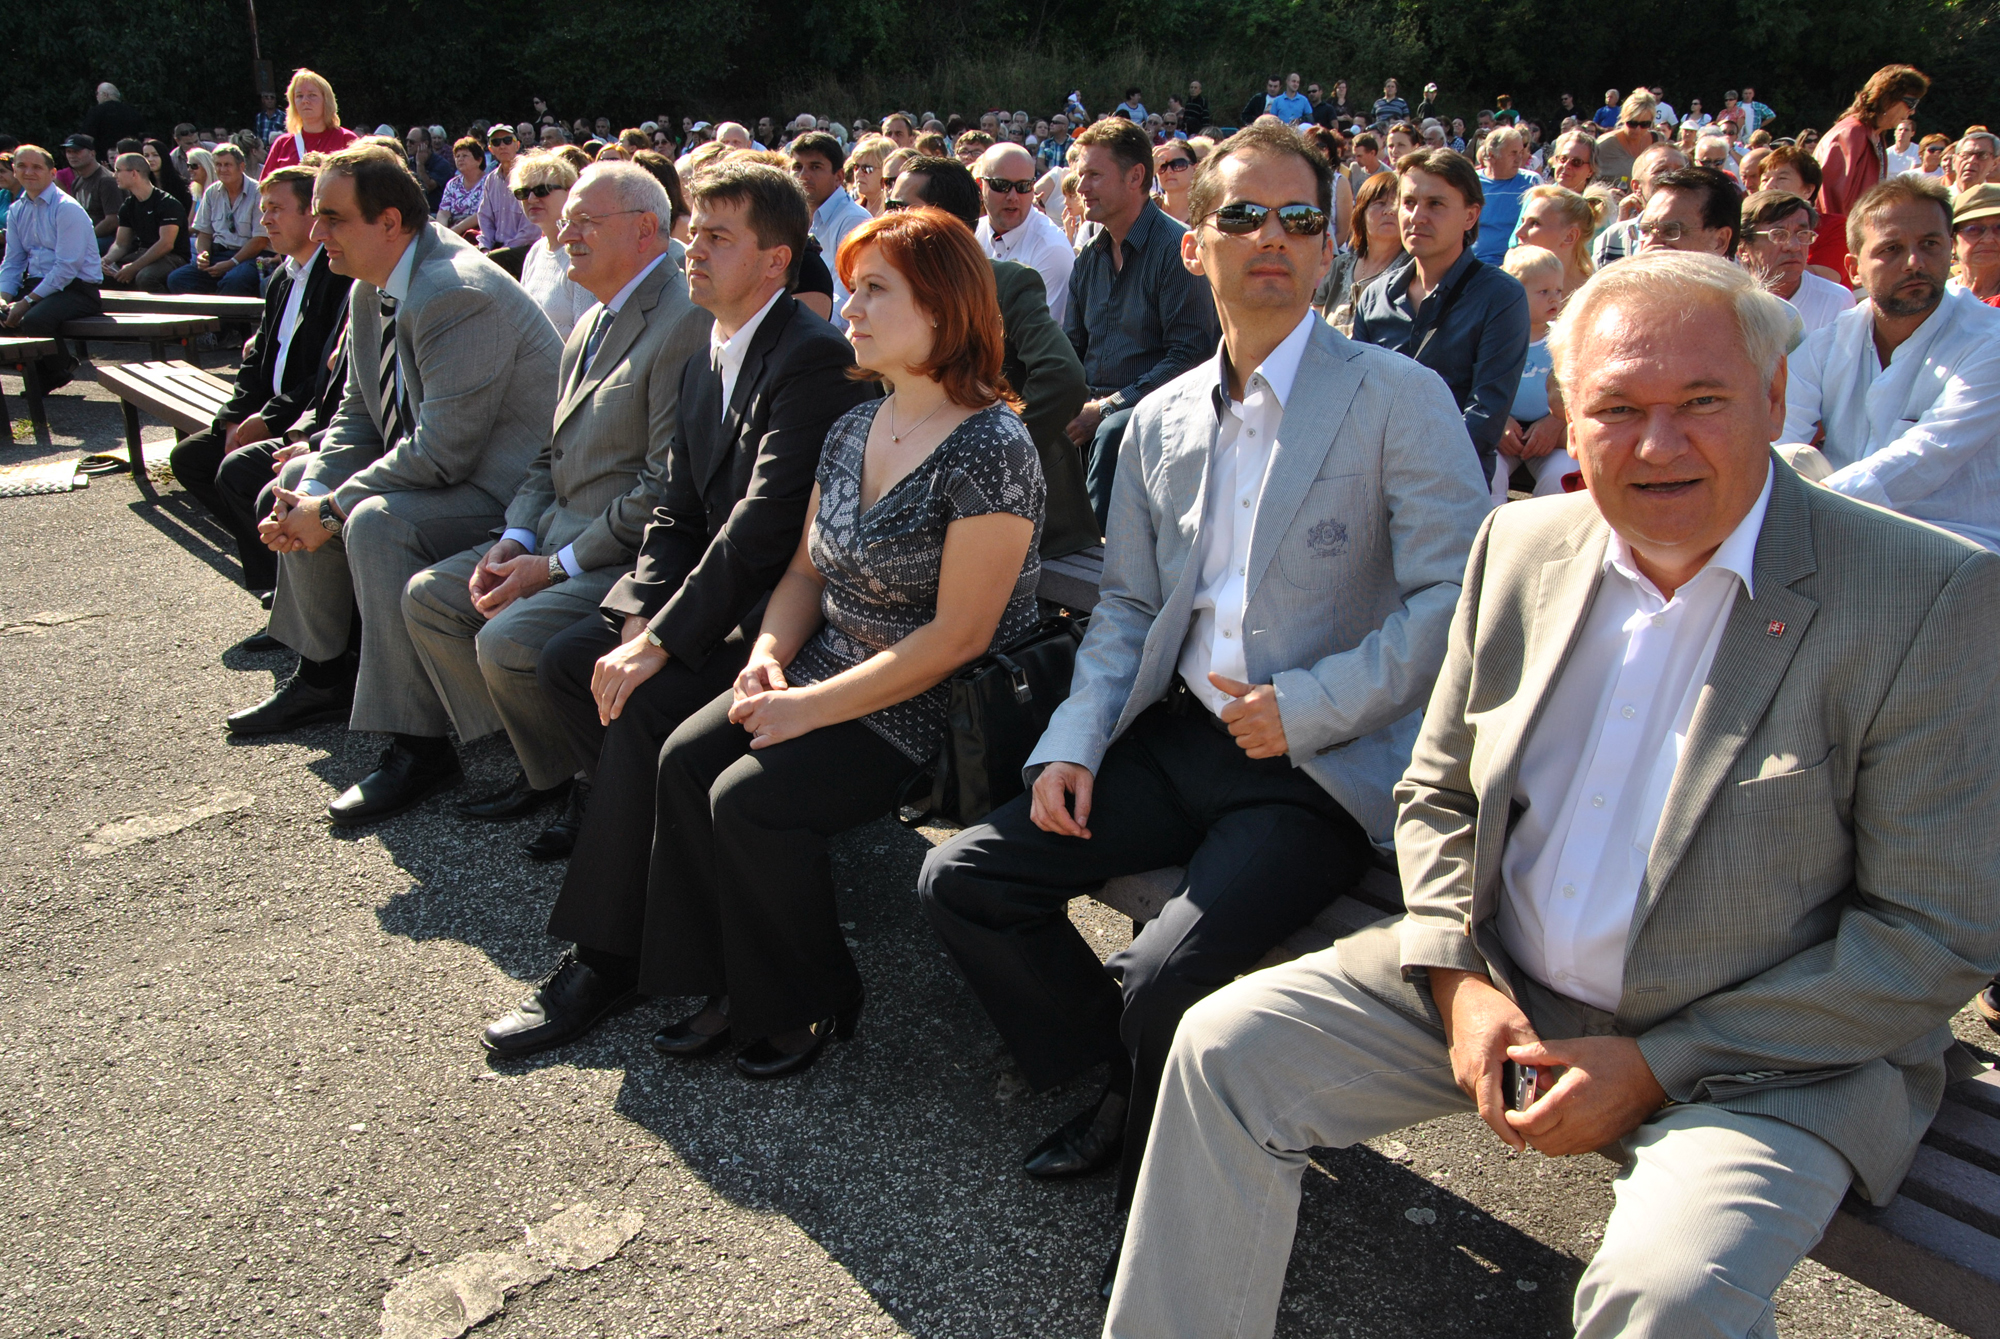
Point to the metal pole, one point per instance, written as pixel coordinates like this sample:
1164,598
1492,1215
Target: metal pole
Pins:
255,52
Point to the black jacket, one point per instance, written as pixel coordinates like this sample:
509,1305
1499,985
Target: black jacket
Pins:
734,501
322,316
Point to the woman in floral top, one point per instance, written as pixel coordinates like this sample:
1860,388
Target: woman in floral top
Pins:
458,210
919,557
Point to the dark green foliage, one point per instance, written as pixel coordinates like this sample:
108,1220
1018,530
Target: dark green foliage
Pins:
453,60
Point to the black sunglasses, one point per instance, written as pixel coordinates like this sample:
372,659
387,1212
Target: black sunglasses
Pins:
540,192
1243,218
501,139
890,206
1001,186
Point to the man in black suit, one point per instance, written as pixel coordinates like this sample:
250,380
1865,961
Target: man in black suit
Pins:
675,633
284,374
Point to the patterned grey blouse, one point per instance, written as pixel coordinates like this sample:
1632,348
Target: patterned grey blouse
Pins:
881,565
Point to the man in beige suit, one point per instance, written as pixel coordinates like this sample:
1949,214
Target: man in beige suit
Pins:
1698,843
479,619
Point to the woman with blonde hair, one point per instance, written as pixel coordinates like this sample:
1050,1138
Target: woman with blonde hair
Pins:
201,171
1562,222
312,122
541,182
864,171
1617,151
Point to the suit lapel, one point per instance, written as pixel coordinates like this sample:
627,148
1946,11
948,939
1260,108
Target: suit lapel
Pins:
723,442
1321,392
1749,664
618,341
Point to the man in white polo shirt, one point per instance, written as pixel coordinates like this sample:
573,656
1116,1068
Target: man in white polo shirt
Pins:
1013,229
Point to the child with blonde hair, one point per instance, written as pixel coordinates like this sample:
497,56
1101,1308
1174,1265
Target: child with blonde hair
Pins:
1533,450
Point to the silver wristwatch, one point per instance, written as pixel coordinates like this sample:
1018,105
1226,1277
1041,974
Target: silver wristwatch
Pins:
329,519
557,572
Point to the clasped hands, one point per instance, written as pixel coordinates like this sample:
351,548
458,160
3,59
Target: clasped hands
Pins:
1544,436
1606,1090
1254,723
769,707
505,573
293,525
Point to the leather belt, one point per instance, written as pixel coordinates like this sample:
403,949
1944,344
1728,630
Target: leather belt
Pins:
1181,701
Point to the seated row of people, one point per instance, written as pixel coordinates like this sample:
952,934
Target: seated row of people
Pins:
1301,556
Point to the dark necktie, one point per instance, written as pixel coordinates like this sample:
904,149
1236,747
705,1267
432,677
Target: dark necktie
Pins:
598,327
388,384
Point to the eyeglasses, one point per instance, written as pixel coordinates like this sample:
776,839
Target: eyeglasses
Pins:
1002,186
1241,218
1663,232
1978,232
1565,161
589,222
501,139
1176,165
541,192
1788,236
1638,125
891,206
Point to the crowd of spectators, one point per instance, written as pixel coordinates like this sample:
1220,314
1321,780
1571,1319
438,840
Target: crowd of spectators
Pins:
1433,466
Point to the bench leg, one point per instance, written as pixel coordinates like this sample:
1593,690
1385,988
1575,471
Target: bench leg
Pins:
132,446
6,420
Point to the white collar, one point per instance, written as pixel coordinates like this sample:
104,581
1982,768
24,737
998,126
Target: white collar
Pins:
738,344
1279,368
398,286
1737,554
618,299
294,268
1018,233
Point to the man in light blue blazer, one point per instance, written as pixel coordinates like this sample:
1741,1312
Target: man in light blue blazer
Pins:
1289,528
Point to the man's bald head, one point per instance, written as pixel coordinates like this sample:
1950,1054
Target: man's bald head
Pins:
1006,174
734,134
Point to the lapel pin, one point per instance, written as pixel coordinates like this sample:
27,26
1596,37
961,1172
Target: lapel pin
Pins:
1776,627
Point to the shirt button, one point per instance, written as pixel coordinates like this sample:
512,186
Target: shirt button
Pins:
1569,890
1628,711
1226,633
1597,801
1246,501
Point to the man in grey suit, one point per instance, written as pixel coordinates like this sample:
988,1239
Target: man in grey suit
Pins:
481,618
1289,525
450,390
1699,848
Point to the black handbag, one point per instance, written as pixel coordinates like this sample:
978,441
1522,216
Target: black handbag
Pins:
1000,704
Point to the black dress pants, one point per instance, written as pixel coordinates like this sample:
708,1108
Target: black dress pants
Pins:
603,899
740,900
1265,848
229,484
73,301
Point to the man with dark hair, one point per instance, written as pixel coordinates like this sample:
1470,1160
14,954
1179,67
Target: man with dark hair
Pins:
818,158
270,122
152,230
52,269
1260,103
281,382
92,187
1441,305
1390,107
451,388
674,632
1036,358
1778,233
481,618
1287,536
1136,317
1693,209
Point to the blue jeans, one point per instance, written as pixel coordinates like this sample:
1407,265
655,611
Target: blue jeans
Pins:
237,280
1102,464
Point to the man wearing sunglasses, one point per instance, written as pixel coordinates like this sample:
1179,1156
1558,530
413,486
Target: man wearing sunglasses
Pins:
505,232
1289,527
1013,229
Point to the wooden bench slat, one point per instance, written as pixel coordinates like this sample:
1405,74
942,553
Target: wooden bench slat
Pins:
223,306
1072,581
16,350
1955,1187
115,326
173,379
1981,1093
1967,1134
163,405
1927,1260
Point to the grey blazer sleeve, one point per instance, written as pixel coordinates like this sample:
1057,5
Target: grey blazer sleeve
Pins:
1430,489
1129,599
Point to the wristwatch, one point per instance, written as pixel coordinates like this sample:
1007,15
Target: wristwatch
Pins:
654,638
329,519
557,572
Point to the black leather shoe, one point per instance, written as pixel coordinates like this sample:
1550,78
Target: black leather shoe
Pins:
296,703
679,1039
257,643
764,1059
568,1002
402,779
514,800
558,839
1085,1144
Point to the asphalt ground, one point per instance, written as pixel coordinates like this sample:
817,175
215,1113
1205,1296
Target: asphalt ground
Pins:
240,1091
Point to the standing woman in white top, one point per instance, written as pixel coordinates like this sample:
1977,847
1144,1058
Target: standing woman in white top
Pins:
541,183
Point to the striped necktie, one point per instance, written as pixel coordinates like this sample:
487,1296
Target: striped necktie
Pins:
598,328
389,384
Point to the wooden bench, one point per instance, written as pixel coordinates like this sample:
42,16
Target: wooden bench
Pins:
180,395
222,306
1935,1247
154,330
18,356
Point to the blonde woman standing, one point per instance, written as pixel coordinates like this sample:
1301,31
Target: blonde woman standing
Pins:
312,122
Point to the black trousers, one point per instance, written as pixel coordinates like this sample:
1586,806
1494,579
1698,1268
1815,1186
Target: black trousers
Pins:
740,900
1265,850
75,299
229,485
603,899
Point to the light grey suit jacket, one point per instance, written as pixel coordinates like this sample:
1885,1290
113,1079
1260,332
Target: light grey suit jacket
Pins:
1367,513
479,366
595,485
1820,896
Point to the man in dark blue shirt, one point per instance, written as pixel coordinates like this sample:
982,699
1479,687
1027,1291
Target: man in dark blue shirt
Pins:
1465,320
1138,319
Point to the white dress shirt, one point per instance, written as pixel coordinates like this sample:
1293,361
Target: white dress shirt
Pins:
288,319
1041,245
1820,301
727,355
1246,434
1596,771
524,537
1920,436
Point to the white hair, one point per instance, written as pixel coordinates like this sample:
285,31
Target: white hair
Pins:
108,92
633,187
1653,287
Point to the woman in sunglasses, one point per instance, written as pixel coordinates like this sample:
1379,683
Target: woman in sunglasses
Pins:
541,183
1617,151
1173,175
1854,155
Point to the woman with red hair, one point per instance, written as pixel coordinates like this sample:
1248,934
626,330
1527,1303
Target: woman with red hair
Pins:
919,557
